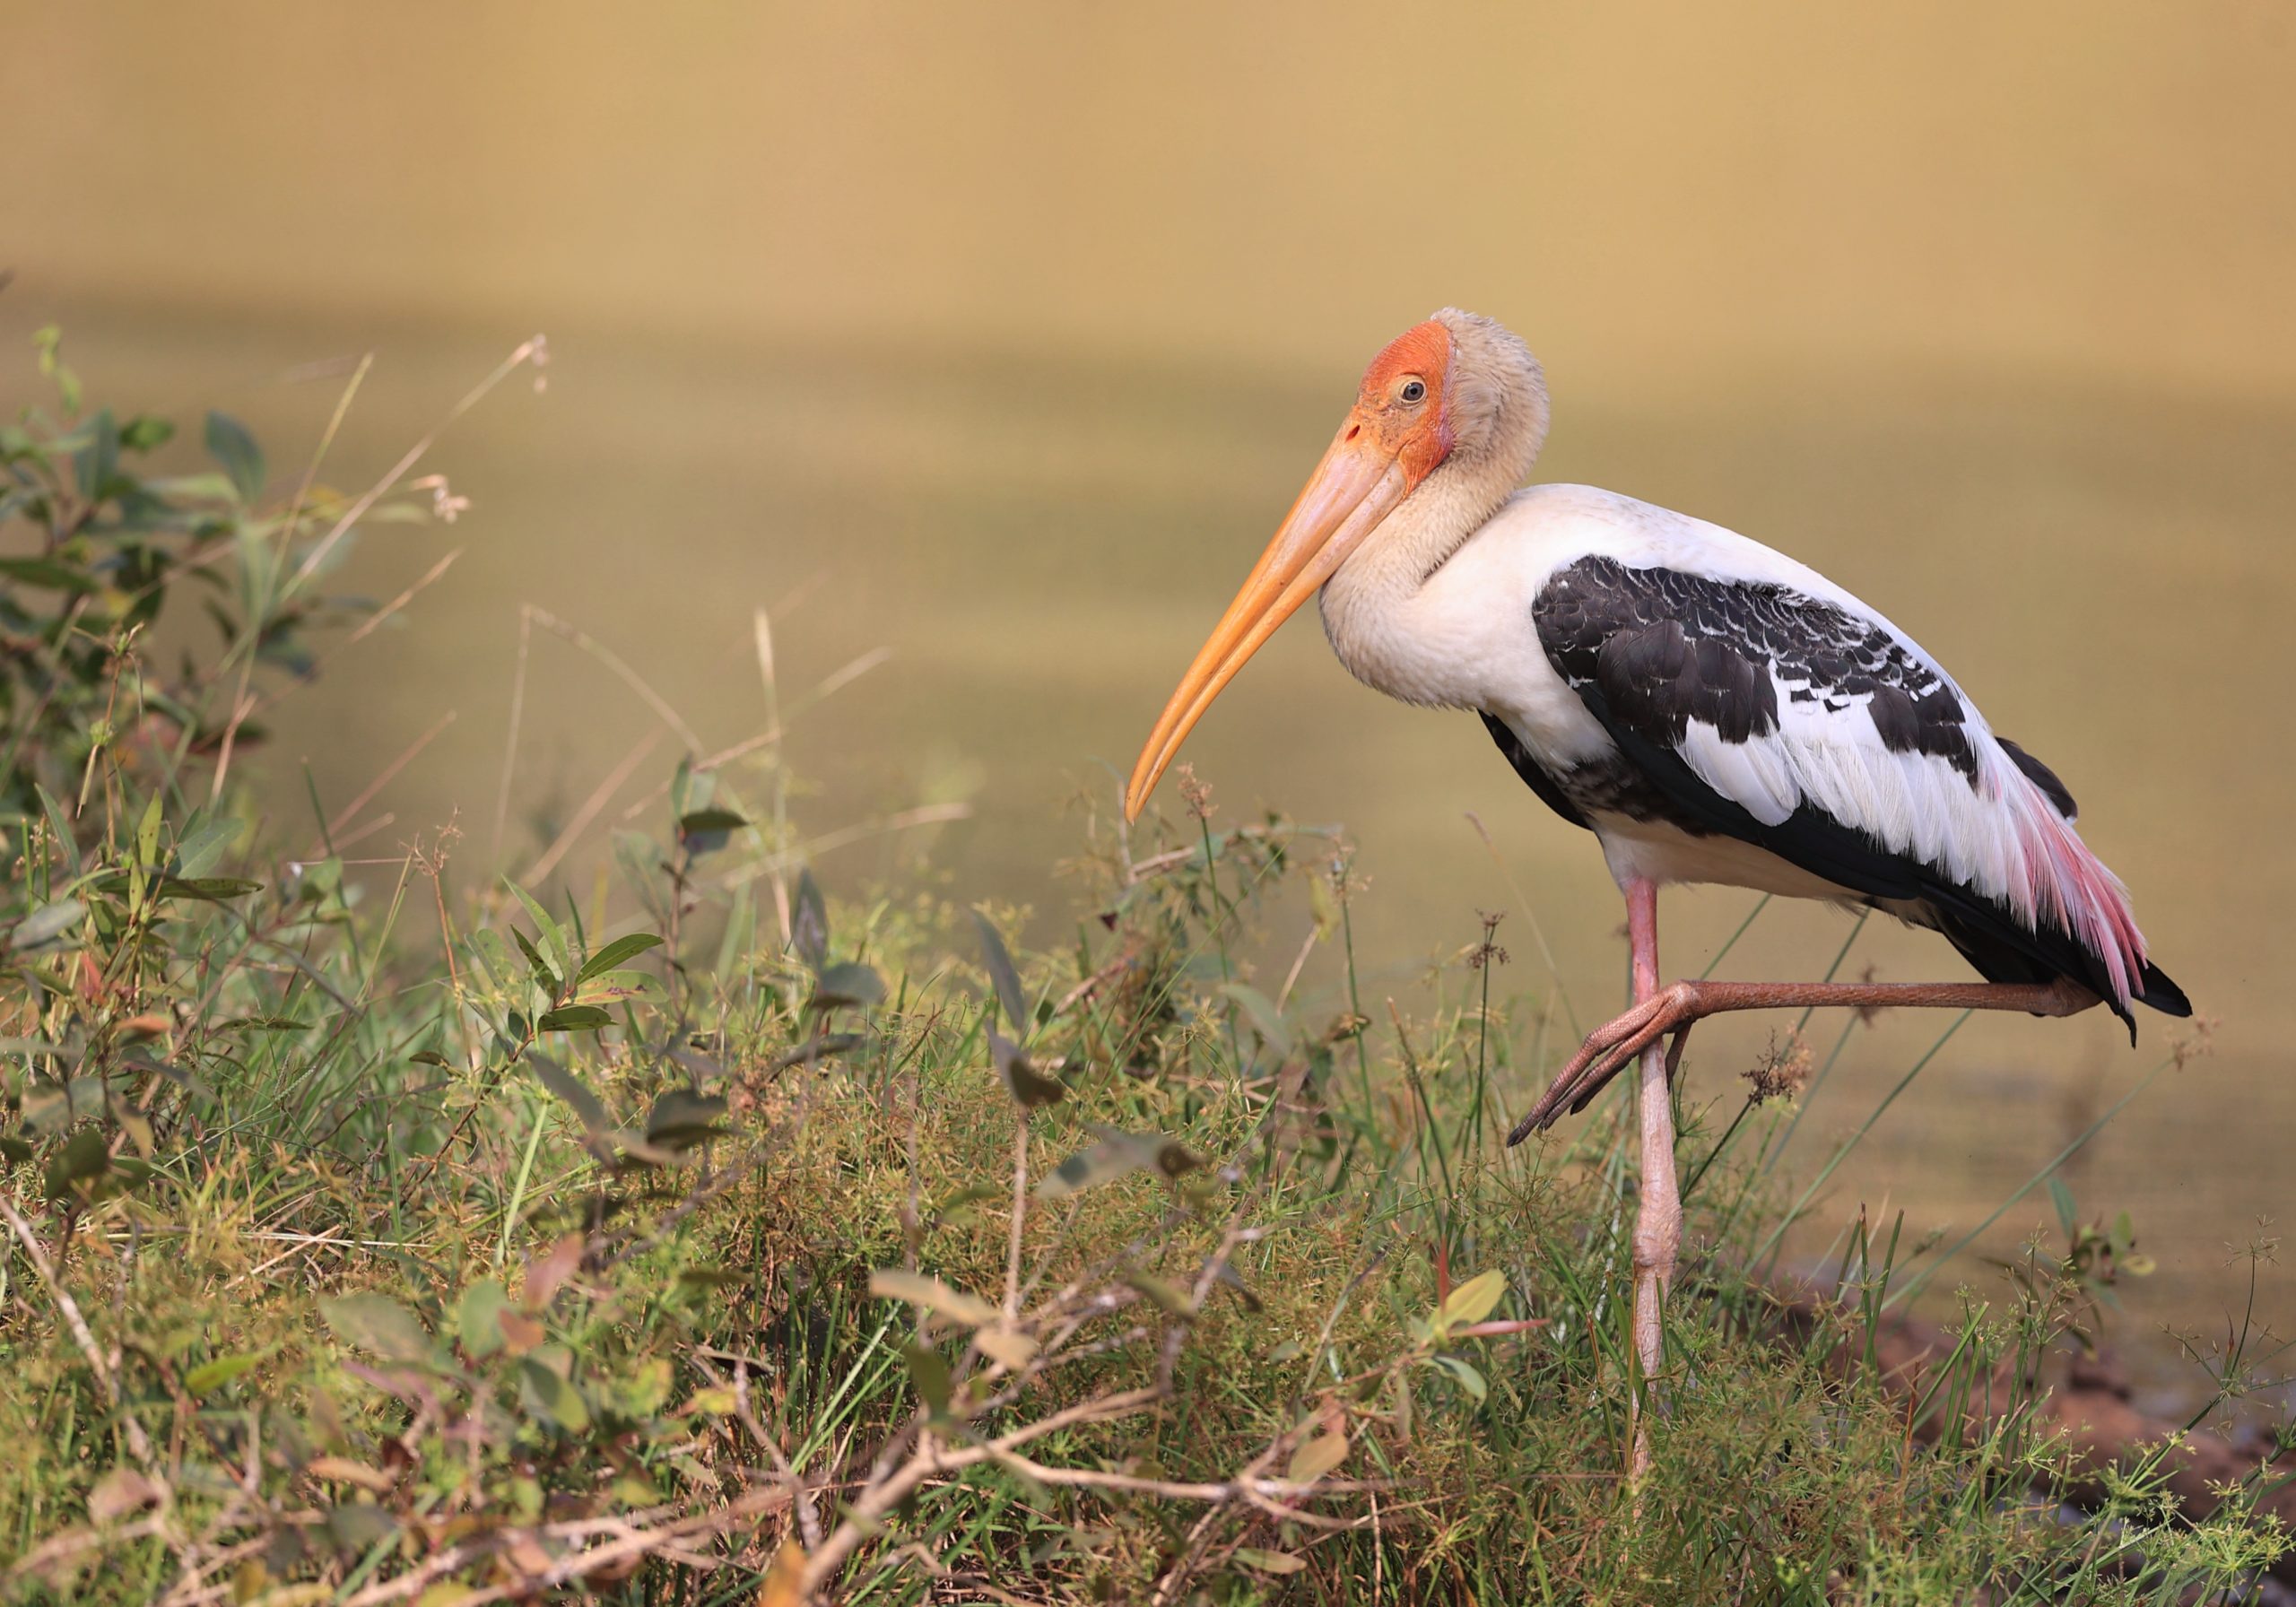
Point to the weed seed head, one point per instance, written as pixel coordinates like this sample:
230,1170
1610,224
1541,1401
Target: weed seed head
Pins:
1782,1072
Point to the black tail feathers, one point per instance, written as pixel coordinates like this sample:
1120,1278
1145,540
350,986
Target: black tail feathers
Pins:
2003,951
2162,994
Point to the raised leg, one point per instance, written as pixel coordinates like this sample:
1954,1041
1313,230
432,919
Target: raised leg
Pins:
1659,1221
1608,1048
1642,1032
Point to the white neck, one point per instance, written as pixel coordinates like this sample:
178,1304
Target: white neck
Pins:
1499,404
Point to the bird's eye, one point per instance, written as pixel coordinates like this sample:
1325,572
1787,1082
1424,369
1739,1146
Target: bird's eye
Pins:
1413,390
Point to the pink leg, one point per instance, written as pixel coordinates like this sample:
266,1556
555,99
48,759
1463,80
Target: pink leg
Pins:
1641,1032
1608,1048
1658,1222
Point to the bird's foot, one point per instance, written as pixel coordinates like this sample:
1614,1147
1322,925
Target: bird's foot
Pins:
1610,1048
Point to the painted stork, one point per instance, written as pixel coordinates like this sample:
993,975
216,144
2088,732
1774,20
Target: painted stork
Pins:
1712,711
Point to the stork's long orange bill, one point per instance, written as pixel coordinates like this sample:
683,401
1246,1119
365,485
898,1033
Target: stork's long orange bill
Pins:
1358,484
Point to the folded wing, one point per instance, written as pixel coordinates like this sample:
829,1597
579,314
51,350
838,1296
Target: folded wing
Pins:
1819,733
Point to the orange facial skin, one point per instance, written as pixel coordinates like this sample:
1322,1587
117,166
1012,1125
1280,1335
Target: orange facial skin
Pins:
1418,436
1391,439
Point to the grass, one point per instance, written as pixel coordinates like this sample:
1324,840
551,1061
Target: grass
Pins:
406,1234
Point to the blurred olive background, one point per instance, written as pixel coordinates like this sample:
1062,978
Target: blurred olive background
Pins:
999,338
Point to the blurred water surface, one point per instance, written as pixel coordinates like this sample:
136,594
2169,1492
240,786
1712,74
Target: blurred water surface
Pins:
1003,348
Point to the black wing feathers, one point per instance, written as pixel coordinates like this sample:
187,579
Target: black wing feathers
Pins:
1649,651
1669,648
2042,777
1533,775
1660,678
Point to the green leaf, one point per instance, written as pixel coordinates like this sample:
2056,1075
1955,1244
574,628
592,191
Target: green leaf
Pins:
569,1088
615,952
48,339
1118,1154
704,830
210,889
125,1174
2062,1197
645,1387
377,1323
1224,1271
550,1397
1002,974
230,444
953,1210
551,937
894,1284
98,462
701,1068
1322,905
851,983
689,789
682,1118
358,1528
206,486
1001,1343
47,924
809,922
612,989
930,1373
717,1400
60,828
492,956
1266,1019
83,1158
478,1318
1473,1300
1318,1456
52,1106
1268,1562
147,833
576,1018
145,433
1022,1081
544,975
312,881
632,1488
199,847
1464,1375
210,1376
40,571
1168,1296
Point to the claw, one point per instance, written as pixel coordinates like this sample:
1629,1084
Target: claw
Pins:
1610,1050
1674,1050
